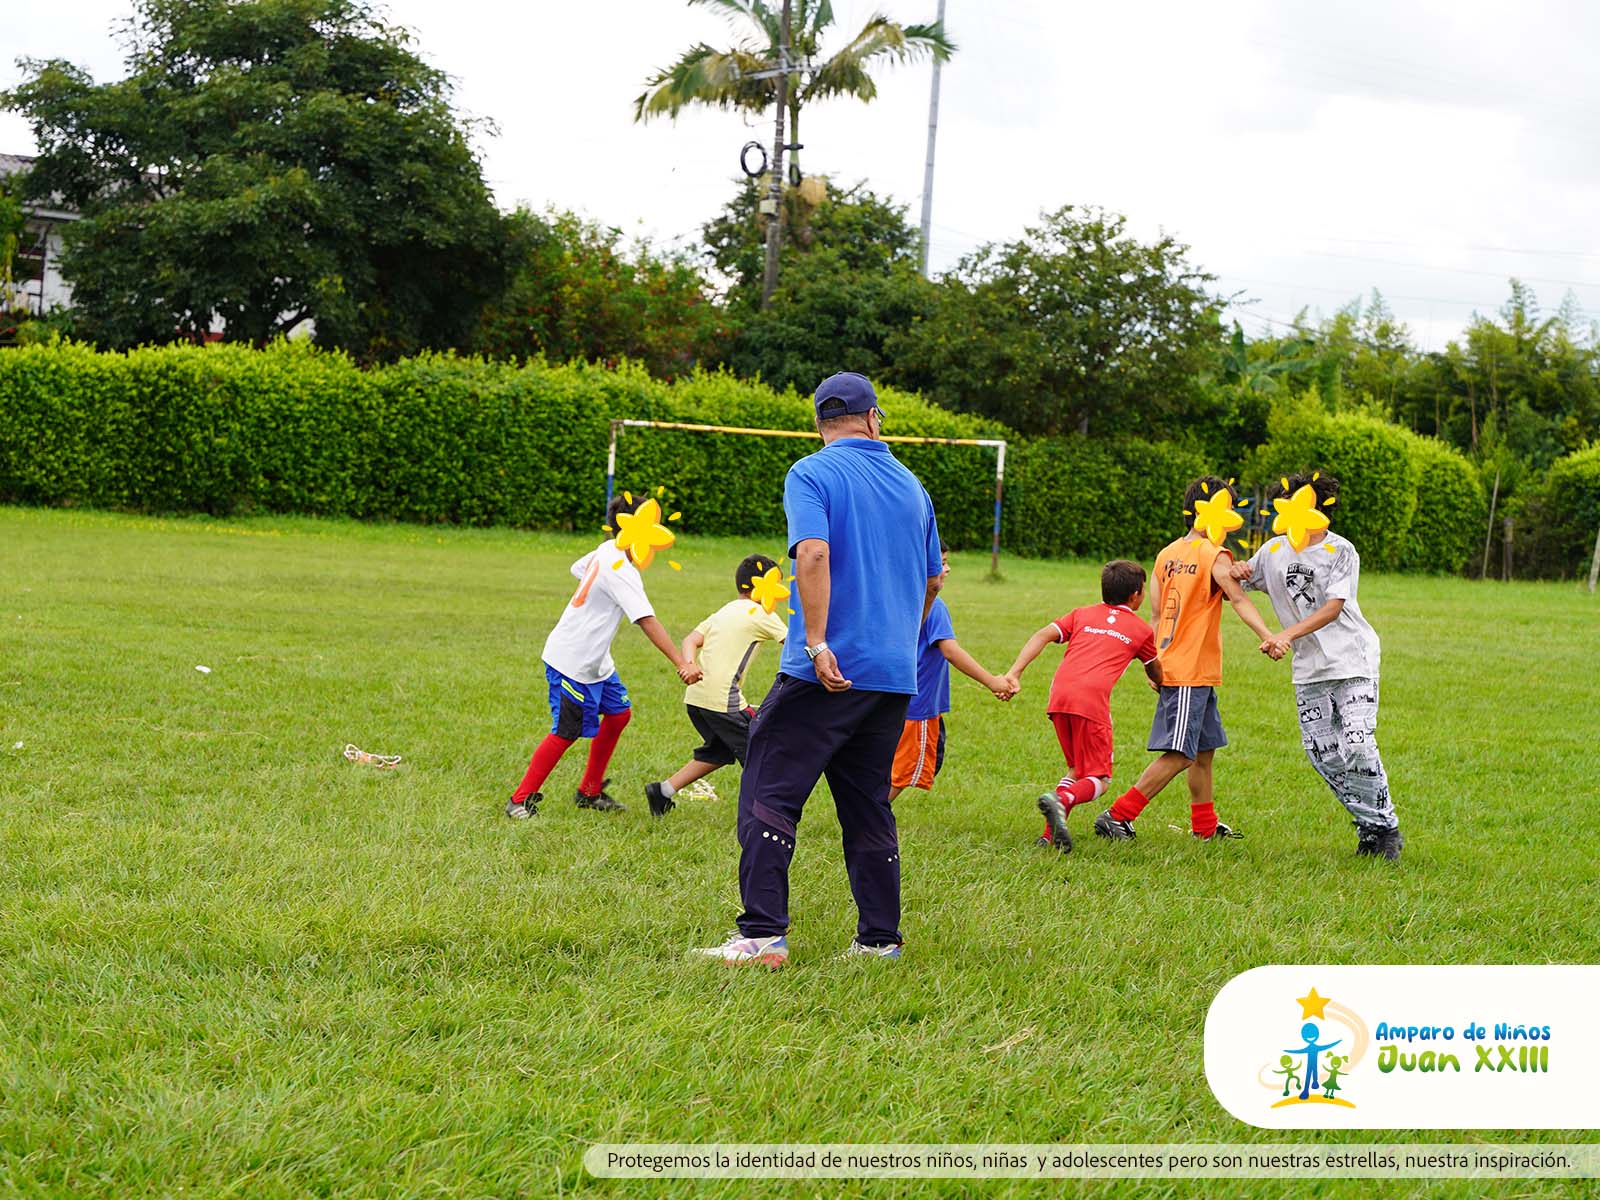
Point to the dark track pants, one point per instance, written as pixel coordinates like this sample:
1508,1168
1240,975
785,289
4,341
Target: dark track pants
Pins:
801,733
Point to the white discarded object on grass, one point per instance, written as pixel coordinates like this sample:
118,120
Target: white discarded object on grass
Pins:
700,789
18,746
204,670
357,755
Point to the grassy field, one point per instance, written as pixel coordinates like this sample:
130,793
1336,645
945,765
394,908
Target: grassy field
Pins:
233,964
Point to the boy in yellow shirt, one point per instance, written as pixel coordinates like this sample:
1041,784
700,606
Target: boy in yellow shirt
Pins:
722,646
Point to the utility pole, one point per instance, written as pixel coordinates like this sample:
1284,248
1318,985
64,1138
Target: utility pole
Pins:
927,173
774,205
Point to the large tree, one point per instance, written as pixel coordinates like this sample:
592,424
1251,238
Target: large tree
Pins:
722,78
266,163
1076,325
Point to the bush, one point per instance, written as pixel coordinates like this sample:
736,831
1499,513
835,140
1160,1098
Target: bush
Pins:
1097,498
225,429
1377,470
1563,516
1451,509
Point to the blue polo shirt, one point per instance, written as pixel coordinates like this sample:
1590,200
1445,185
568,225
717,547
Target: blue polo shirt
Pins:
883,547
933,669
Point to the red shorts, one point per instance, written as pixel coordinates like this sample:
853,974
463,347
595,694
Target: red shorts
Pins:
1085,742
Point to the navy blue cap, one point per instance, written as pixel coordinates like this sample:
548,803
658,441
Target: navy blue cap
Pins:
853,389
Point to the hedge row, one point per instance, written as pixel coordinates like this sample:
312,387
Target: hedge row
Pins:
226,429
1556,527
1407,502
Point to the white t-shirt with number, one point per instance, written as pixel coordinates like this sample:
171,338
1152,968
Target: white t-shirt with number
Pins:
609,588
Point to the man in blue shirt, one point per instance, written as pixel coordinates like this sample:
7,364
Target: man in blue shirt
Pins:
866,563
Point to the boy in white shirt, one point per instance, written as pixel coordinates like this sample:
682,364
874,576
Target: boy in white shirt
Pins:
1335,651
587,696
726,643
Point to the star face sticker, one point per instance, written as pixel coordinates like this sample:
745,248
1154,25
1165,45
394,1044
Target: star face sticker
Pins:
767,590
640,533
1215,517
1299,517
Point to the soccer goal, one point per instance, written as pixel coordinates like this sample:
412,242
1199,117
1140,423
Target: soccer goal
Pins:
996,444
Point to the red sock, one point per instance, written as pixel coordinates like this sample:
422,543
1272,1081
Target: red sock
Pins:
544,761
1129,805
1203,818
600,751
1080,792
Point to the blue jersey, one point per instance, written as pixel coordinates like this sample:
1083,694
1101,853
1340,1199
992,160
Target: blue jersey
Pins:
933,669
883,547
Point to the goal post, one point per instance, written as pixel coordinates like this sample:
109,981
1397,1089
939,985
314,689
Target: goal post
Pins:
996,444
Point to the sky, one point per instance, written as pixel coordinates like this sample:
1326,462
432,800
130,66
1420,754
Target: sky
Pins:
1305,152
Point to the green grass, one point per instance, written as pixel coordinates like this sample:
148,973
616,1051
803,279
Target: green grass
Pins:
233,964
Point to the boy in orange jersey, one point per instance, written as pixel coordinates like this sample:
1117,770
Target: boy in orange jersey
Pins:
1192,576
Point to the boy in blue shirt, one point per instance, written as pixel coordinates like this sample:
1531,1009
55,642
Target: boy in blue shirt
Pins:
920,754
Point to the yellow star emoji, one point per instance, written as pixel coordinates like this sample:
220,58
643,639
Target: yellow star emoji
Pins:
1312,1006
1215,517
1298,517
766,590
640,533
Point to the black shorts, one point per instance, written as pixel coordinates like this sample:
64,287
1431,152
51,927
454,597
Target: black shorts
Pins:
723,735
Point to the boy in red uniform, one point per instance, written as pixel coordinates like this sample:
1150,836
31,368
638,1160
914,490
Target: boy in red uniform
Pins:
1192,577
1102,639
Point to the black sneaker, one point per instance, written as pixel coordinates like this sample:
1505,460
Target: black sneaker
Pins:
1045,842
1107,826
1223,831
521,810
1379,843
660,805
604,802
1056,813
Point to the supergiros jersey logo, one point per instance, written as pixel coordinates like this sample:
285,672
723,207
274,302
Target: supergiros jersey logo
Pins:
1408,1047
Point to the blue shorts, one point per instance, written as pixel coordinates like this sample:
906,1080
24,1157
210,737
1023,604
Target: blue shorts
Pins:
575,707
1187,721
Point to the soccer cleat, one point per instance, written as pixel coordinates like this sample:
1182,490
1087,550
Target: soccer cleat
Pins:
603,802
739,950
1045,842
660,805
1107,826
1379,843
1223,831
521,810
890,951
1055,813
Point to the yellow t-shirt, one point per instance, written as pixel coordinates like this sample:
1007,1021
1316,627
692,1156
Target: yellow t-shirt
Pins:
733,634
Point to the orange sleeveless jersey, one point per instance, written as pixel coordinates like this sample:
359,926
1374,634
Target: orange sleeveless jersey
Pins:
1188,613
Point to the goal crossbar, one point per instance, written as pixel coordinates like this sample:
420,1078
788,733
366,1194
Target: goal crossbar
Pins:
998,445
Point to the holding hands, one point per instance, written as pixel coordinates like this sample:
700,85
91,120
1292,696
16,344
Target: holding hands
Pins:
1003,686
1276,647
689,671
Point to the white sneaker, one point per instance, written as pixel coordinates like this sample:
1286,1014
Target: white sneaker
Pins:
767,951
890,951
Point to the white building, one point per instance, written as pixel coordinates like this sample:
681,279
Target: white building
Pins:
37,285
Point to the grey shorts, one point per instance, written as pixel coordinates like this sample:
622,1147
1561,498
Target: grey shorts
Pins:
1187,721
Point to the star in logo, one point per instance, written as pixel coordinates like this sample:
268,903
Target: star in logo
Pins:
1215,517
640,533
1312,1005
1298,517
767,590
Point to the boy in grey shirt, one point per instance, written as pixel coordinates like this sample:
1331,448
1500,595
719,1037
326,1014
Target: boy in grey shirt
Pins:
1313,592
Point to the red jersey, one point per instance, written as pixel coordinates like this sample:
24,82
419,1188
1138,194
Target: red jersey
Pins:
1102,639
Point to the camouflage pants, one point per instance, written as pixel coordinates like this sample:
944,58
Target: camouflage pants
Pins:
1339,730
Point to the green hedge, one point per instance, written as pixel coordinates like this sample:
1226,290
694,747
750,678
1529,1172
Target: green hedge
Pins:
1451,509
226,429
1558,527
1097,498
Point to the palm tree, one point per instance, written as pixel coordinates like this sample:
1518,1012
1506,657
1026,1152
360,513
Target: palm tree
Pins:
722,78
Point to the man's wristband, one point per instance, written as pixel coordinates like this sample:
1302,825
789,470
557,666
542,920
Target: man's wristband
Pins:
813,651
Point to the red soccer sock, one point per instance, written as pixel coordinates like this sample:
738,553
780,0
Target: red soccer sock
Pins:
601,749
1203,818
1129,805
544,761
1081,792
